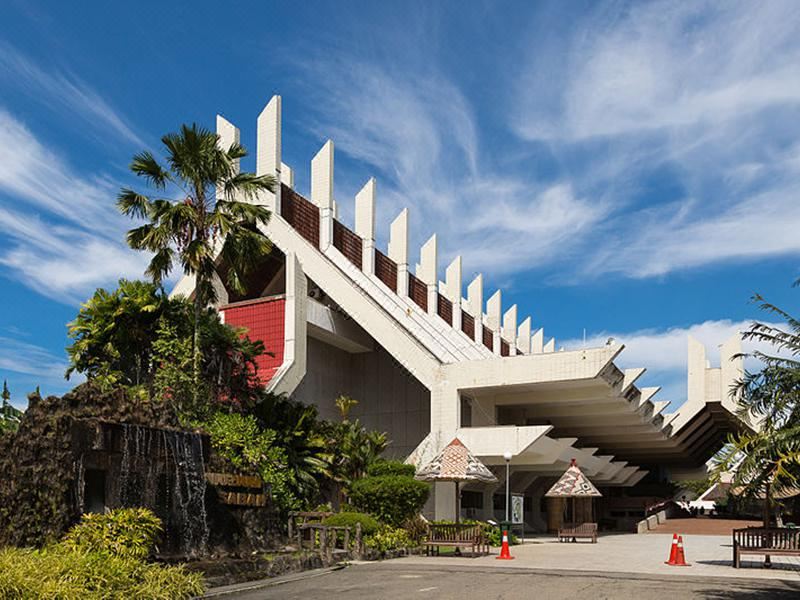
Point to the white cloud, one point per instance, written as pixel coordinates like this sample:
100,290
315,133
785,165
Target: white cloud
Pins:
30,359
63,92
419,132
708,93
62,234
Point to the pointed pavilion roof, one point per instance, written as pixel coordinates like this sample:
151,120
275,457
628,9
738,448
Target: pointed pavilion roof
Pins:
573,484
455,463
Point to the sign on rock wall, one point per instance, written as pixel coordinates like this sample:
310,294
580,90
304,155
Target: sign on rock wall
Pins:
238,498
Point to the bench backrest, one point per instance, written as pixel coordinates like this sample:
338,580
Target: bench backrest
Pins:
454,533
777,538
583,528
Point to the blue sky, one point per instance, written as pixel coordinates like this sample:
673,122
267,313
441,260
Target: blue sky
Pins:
628,169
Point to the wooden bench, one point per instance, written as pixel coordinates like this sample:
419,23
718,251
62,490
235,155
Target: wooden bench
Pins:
571,533
458,536
775,541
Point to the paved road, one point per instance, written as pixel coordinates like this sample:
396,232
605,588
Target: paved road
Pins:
394,581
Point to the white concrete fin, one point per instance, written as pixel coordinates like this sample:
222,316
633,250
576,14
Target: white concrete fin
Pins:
322,177
494,309
475,299
631,375
696,372
398,238
645,394
524,336
365,211
659,406
228,135
268,142
510,326
452,281
428,259
731,370
287,175
550,346
537,342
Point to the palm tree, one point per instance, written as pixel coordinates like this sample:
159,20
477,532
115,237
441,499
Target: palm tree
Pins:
766,462
210,217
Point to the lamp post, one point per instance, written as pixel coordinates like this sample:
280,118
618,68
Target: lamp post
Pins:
507,456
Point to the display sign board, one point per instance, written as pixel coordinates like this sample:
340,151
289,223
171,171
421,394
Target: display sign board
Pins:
517,507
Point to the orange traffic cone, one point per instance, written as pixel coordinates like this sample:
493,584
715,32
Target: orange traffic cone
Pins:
673,552
679,558
505,553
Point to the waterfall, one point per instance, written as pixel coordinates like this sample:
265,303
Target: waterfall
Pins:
177,457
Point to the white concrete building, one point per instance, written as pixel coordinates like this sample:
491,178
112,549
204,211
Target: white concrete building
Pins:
428,363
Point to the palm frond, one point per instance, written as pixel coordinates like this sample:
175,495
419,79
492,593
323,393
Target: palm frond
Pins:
145,165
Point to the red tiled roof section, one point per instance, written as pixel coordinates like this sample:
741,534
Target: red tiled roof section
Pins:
301,214
504,348
488,338
468,325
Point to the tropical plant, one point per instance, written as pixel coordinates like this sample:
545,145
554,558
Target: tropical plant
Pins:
389,538
369,524
241,440
124,532
354,449
765,461
9,416
212,217
136,335
782,339
391,498
300,433
77,574
390,467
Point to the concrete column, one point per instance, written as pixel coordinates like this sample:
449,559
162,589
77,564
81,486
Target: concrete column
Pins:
365,225
550,346
494,309
228,135
398,250
287,175
509,331
268,147
524,336
537,342
696,374
445,500
732,369
427,271
452,289
322,192
475,305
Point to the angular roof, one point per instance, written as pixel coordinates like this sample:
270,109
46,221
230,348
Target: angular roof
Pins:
455,463
573,484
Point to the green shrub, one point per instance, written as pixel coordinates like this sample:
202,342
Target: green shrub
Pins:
390,467
69,573
390,498
125,532
369,525
389,538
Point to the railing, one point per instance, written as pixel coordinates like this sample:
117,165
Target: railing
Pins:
781,538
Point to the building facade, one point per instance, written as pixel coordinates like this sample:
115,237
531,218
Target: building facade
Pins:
430,359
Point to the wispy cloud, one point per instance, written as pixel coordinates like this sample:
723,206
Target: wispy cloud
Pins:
30,359
63,92
419,133
63,236
704,95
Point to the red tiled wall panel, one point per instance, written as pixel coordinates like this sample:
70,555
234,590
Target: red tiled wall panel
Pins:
468,325
445,309
264,321
418,292
504,348
348,243
386,270
488,338
301,214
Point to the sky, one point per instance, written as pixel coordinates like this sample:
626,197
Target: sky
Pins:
626,170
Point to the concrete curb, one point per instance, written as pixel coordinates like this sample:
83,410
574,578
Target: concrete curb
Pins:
250,586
